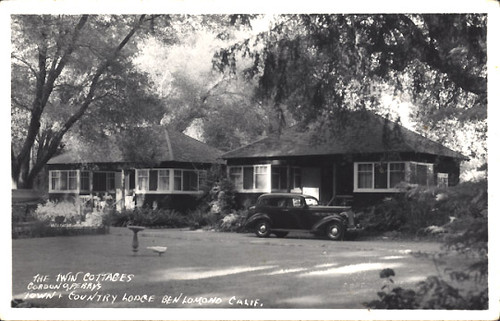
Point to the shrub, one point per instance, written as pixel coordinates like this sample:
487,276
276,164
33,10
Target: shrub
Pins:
467,235
425,210
218,192
433,293
58,213
232,222
148,217
202,218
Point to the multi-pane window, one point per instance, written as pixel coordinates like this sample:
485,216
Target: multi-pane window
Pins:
64,180
396,174
84,181
177,180
142,179
250,178
421,174
77,181
189,181
382,176
236,176
55,177
365,176
442,179
103,181
164,180
168,180
261,177
279,177
297,177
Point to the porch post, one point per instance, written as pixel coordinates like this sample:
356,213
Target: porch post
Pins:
334,178
123,190
91,189
288,179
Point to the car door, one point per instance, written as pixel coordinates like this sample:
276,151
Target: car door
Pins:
284,214
298,215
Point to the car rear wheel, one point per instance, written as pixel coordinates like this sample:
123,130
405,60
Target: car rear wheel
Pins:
262,229
334,231
281,234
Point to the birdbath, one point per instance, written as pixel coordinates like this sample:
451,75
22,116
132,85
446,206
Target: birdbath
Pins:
135,240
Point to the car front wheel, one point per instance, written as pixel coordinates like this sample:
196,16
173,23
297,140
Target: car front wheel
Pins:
334,231
262,229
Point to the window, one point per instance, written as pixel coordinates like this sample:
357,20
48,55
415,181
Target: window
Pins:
142,179
164,180
250,178
103,181
279,178
168,180
189,181
296,202
365,175
261,177
386,176
396,174
236,176
297,177
380,175
65,180
55,180
85,181
421,174
177,180
442,179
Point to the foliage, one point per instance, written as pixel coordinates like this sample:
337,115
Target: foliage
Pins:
148,217
217,107
333,61
70,214
66,69
232,222
55,212
420,208
218,192
433,293
314,68
466,236
199,218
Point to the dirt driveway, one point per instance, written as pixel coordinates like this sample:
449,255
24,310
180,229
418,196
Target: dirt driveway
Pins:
203,269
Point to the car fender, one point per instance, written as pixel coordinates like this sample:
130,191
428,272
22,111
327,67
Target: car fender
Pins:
323,222
256,217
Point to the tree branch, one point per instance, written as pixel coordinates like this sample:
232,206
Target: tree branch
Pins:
57,137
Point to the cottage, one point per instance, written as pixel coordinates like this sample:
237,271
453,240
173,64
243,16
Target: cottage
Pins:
364,159
160,167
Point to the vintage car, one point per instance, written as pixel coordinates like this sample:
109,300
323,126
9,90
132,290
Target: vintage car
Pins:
284,212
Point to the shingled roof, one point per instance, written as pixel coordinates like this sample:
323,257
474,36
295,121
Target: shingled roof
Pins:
361,132
158,144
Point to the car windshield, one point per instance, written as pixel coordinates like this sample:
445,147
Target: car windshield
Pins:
311,201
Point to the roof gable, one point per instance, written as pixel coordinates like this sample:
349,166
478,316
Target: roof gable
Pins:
360,132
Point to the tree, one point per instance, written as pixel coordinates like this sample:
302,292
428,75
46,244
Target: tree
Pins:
323,60
63,67
219,106
318,67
